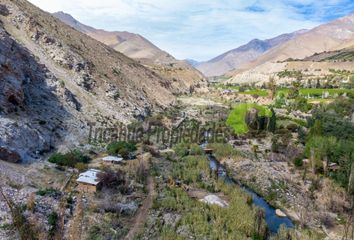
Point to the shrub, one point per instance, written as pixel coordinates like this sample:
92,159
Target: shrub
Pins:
69,159
81,166
111,179
48,191
122,148
182,149
292,127
19,221
302,104
298,162
195,149
52,221
224,150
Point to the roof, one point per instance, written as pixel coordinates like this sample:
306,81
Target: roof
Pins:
89,177
112,159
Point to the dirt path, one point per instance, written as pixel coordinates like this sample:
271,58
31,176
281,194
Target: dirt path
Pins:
141,216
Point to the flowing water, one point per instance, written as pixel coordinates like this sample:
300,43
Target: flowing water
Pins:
272,219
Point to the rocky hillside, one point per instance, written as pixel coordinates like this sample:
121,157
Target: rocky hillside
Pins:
328,37
235,58
343,55
55,79
183,76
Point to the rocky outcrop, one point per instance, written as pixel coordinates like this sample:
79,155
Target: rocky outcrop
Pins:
55,79
280,213
70,98
252,119
256,122
30,112
9,155
3,10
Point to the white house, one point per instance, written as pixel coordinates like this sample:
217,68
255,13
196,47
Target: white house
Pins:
88,181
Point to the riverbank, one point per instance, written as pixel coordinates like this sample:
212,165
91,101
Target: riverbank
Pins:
284,187
273,220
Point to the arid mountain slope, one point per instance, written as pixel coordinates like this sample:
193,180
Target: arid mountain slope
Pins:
183,75
343,55
130,44
55,79
233,59
332,36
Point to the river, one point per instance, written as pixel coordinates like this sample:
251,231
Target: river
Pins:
272,219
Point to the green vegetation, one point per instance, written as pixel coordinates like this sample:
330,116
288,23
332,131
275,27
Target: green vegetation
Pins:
20,223
222,151
111,228
256,92
285,233
301,103
69,159
317,92
52,221
343,56
244,90
331,140
47,191
290,74
236,119
237,221
122,148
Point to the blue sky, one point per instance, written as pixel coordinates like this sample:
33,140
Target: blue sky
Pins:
201,29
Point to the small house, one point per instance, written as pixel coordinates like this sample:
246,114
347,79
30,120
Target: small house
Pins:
88,181
112,159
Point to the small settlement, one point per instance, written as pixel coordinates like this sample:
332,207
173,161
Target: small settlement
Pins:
88,181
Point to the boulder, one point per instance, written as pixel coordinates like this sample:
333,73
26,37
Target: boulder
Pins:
127,209
214,200
171,219
9,155
280,213
252,118
256,122
71,100
4,11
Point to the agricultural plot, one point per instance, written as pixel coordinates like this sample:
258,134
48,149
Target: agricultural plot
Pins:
236,119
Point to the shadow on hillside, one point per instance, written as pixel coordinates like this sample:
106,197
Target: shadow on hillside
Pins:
31,114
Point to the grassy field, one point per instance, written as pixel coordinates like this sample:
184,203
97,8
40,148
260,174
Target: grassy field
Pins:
285,91
255,91
320,100
317,91
236,119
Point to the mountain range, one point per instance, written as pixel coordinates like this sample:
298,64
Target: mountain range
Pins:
246,53
135,46
332,36
56,80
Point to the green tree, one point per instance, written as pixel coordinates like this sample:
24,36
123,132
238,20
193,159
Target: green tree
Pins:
294,90
272,121
272,86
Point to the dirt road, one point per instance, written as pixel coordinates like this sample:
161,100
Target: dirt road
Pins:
141,216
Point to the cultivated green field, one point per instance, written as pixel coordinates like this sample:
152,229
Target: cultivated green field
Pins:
236,118
254,91
317,91
303,91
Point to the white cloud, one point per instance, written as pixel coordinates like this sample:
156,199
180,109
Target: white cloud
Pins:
199,29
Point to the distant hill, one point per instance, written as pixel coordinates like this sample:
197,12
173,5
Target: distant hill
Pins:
329,37
192,62
235,58
135,46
